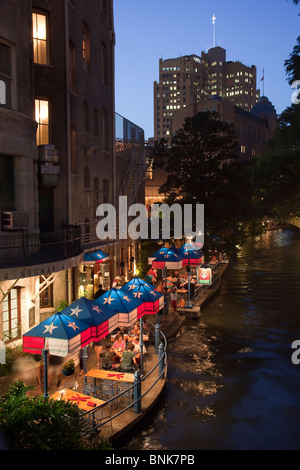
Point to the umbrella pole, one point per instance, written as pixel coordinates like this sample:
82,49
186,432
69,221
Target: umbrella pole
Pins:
141,344
189,304
85,357
45,356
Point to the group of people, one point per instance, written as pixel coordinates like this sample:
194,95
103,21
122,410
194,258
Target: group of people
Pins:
125,354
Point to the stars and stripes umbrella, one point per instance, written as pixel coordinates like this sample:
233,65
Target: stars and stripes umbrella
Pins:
153,300
93,257
169,260
192,257
60,334
101,319
129,308
157,253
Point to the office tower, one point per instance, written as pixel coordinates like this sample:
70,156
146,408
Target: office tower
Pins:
190,79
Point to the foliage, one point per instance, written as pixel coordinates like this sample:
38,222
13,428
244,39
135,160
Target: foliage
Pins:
63,304
42,424
11,355
292,64
148,248
68,365
203,167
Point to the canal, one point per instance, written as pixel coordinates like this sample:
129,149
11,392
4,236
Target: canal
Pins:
231,381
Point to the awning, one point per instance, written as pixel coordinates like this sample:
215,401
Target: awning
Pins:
93,257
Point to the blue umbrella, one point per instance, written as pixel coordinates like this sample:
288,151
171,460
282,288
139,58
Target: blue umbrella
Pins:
60,334
98,256
102,319
159,252
128,307
168,259
153,300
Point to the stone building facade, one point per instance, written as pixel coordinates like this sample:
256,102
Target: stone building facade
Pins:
58,158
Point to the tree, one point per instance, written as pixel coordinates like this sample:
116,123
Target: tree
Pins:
292,65
40,424
202,166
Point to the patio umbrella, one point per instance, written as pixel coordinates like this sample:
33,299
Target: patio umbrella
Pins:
101,320
153,300
98,256
190,246
169,260
192,257
59,334
157,253
136,282
129,308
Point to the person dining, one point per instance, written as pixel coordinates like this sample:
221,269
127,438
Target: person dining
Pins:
137,349
118,347
128,360
136,329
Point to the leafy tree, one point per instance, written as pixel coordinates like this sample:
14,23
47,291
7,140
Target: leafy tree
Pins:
40,424
292,65
202,167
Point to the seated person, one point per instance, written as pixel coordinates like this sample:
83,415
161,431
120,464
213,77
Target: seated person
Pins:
137,349
128,358
118,347
107,360
136,329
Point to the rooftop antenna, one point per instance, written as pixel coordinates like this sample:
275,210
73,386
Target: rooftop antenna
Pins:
214,30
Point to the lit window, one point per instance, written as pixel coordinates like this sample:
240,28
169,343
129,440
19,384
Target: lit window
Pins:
5,74
40,46
42,118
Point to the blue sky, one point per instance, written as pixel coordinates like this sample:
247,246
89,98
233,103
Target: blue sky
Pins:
256,32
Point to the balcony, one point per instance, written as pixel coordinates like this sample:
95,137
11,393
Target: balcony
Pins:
23,249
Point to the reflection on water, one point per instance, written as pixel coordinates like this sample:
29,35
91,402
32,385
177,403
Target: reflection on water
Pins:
231,382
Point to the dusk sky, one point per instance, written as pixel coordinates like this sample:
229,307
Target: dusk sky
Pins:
257,32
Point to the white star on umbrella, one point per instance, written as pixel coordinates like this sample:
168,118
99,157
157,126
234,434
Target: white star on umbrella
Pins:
132,287
153,293
108,300
73,325
97,309
127,298
75,311
50,328
138,294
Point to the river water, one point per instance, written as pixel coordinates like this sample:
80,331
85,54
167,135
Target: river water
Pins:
231,382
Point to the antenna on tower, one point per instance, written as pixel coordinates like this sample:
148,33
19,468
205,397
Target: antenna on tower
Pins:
214,30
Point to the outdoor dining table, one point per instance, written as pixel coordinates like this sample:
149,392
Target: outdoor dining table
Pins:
84,402
110,375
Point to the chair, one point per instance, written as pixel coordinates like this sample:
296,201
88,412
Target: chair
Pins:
108,389
90,388
127,396
104,413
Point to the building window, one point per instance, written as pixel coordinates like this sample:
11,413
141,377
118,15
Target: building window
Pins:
86,117
73,133
7,183
96,195
105,191
46,296
40,38
86,47
104,64
130,258
5,74
96,125
86,173
11,315
105,129
42,118
72,67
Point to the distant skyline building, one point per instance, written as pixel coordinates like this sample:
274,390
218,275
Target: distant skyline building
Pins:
190,79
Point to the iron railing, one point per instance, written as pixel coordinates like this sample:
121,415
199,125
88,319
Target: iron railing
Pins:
160,365
24,249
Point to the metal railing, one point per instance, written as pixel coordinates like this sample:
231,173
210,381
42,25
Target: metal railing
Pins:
24,249
135,388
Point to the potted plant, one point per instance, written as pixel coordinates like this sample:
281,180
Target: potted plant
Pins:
68,367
